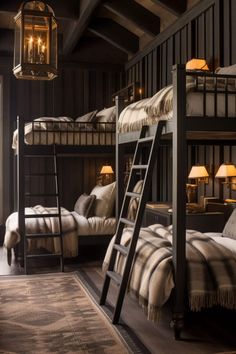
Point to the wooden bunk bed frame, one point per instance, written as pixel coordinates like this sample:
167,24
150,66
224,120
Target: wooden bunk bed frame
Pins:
182,130
107,147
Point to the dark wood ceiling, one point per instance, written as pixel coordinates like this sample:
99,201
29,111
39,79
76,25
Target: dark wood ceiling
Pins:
100,30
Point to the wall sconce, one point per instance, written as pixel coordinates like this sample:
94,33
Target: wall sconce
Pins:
35,43
197,64
226,170
199,173
107,173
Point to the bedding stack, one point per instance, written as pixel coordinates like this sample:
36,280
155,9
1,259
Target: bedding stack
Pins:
211,268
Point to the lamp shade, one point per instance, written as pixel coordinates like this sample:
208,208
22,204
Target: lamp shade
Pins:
198,172
226,170
107,169
197,64
35,42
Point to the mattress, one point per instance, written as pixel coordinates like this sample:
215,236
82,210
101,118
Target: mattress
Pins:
160,107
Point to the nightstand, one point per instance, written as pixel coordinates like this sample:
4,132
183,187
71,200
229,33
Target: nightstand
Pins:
201,221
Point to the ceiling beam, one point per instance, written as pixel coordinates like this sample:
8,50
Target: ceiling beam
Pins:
132,11
177,7
71,38
62,9
115,34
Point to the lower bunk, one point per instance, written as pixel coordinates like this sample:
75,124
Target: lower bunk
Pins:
210,268
90,223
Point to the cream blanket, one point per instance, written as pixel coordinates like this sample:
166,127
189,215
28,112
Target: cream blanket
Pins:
211,270
44,225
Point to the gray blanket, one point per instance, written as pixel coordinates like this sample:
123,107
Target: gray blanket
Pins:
211,270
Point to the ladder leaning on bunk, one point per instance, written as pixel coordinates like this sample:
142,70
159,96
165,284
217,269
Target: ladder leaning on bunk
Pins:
146,169
22,197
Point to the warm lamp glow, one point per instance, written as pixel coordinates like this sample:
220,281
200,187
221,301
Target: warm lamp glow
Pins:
107,169
35,42
226,170
197,64
199,172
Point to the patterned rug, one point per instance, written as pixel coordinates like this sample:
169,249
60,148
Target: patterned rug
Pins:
53,313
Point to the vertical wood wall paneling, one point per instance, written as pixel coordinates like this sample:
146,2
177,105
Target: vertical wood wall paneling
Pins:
209,37
233,31
86,91
218,57
150,75
227,32
184,45
170,60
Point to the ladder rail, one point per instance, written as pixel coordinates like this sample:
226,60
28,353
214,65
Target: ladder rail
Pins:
143,197
24,216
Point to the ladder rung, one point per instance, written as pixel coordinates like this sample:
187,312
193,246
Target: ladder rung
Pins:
114,276
127,221
145,140
43,255
42,235
41,195
134,195
40,174
139,167
36,155
30,216
122,249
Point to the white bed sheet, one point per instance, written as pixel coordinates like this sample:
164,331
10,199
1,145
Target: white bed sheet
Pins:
95,225
227,242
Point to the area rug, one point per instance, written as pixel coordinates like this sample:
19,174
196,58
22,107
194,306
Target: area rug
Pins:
53,313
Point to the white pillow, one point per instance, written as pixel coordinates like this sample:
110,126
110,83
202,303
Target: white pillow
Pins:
227,70
107,115
230,226
105,198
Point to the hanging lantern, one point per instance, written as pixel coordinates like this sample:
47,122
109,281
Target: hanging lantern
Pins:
35,47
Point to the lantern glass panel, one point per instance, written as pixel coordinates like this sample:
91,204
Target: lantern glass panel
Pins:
36,39
17,41
54,44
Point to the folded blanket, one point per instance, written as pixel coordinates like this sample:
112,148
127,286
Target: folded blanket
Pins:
44,225
211,270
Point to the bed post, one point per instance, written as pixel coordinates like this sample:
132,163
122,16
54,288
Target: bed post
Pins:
21,188
179,196
119,159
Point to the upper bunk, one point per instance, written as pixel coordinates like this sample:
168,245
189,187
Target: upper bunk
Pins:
202,105
92,133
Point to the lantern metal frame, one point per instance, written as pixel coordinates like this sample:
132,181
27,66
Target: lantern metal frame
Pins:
35,70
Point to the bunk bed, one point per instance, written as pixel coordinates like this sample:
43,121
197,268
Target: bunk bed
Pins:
55,138
213,125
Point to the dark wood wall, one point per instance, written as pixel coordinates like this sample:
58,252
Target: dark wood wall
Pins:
78,89
207,31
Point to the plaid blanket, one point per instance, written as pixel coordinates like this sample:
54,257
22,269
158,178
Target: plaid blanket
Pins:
211,270
44,225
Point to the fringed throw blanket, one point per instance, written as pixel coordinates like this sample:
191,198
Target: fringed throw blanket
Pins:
44,225
211,270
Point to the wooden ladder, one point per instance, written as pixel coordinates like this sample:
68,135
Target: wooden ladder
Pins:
145,170
56,195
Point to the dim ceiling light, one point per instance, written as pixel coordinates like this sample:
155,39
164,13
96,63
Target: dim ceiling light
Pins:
35,44
197,64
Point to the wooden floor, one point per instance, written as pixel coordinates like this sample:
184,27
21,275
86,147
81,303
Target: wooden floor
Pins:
210,332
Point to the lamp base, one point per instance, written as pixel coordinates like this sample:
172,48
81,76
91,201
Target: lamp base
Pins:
191,190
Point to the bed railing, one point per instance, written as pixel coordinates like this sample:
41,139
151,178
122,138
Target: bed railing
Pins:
218,92
68,133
